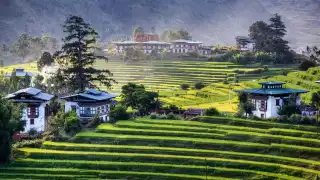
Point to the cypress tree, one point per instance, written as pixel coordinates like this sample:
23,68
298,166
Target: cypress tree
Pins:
77,57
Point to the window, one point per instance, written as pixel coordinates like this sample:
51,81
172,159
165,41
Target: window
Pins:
254,104
74,108
33,111
93,111
31,121
102,109
81,110
277,102
262,116
183,51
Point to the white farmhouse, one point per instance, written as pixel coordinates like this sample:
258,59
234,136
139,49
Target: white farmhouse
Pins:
267,99
36,112
89,103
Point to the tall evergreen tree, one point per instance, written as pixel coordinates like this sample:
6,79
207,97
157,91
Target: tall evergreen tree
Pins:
261,33
279,45
76,57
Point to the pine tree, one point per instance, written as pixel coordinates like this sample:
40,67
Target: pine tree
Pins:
278,31
76,57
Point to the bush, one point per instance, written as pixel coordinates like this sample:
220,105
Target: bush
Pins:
72,122
36,143
306,64
284,72
199,85
153,116
184,86
283,118
119,113
94,122
295,119
265,68
212,112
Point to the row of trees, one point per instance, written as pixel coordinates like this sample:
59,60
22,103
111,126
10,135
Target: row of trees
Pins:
31,46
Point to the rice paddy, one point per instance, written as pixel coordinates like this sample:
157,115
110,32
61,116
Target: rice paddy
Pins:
206,148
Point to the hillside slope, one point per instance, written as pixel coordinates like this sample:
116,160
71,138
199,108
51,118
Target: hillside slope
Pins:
216,148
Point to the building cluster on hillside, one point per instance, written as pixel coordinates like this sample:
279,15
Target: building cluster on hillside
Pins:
245,43
86,104
149,43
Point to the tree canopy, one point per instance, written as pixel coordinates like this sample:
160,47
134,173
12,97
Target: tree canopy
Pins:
76,57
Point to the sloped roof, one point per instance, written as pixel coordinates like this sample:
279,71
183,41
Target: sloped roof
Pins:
20,73
92,94
186,41
34,92
277,91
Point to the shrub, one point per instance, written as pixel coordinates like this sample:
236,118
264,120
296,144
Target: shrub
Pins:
306,64
33,132
284,72
72,122
153,116
283,118
212,112
295,119
96,120
265,68
119,113
173,116
199,85
184,86
36,143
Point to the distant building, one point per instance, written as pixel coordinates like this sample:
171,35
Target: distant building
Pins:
89,103
150,42
19,72
267,99
308,110
184,46
193,112
36,112
245,43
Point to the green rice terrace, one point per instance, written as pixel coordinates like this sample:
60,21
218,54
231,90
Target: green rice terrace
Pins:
166,76
205,148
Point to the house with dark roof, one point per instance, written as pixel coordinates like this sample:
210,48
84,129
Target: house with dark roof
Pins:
267,99
245,43
36,112
19,72
89,103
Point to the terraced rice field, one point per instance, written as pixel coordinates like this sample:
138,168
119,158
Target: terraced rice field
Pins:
207,148
166,76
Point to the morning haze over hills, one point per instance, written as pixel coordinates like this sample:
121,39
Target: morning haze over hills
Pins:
160,89
210,21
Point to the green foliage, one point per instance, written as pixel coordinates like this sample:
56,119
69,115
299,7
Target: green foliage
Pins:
36,143
288,109
45,60
315,100
72,122
199,85
306,64
10,122
184,86
77,56
119,113
212,112
246,107
137,31
137,97
170,35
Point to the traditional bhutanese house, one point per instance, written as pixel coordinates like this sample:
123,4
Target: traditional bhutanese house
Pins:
36,112
193,112
89,103
19,72
308,110
183,46
245,43
267,99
